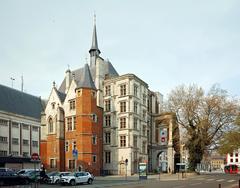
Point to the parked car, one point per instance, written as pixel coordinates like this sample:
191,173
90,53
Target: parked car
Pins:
9,177
54,177
77,178
32,175
22,171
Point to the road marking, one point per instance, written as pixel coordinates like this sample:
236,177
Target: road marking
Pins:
231,181
196,184
180,186
210,179
220,180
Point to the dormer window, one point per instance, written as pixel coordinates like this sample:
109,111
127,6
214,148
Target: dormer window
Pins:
72,104
53,105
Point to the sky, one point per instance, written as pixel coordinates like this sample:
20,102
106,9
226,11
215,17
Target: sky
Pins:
165,43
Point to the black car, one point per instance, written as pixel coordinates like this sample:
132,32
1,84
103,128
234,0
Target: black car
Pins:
9,177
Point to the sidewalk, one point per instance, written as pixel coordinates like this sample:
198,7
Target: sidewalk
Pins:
135,177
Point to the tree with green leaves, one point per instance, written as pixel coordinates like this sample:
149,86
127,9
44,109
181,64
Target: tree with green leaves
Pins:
203,116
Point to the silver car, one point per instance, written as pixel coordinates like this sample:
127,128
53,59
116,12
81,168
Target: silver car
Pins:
77,178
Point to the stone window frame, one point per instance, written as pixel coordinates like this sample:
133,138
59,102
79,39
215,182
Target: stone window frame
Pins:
107,157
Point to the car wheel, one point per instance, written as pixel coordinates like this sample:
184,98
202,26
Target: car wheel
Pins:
90,181
26,182
57,182
72,182
1,182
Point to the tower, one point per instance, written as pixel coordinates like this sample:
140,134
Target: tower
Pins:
88,125
94,51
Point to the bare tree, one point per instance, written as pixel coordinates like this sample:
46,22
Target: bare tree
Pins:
204,116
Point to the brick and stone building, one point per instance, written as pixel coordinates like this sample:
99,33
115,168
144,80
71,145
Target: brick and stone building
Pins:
126,111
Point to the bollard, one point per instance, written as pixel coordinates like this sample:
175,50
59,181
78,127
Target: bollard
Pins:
239,183
219,186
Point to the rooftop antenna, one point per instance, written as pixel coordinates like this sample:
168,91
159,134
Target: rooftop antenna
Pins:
68,66
22,83
12,80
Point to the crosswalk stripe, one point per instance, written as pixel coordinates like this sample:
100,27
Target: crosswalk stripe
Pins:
231,181
210,179
220,180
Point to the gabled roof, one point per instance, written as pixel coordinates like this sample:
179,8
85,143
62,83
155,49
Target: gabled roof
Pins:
61,95
17,102
86,80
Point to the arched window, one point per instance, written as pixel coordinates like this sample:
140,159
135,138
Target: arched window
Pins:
50,125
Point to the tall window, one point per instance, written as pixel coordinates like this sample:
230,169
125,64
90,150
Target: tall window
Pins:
144,130
123,122
144,147
15,153
72,104
107,157
94,139
122,141
135,123
50,125
123,90
144,114
66,146
107,138
108,121
52,163
144,99
135,107
74,145
135,140
107,106
94,158
108,90
69,123
123,106
74,123
135,90
71,164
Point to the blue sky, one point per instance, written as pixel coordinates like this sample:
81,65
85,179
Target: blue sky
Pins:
165,43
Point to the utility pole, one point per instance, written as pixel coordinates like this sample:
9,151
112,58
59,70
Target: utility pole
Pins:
12,80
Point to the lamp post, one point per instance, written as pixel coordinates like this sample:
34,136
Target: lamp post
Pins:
12,80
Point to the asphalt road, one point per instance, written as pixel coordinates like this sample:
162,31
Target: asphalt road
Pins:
171,181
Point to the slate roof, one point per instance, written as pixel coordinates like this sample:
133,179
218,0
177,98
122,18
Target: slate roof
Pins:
94,46
108,67
61,95
86,79
17,102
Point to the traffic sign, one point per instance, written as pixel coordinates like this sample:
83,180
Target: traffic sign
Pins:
35,156
75,153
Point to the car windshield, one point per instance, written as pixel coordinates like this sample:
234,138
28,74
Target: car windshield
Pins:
53,174
67,174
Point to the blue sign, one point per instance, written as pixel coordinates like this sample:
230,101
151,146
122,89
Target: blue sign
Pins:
75,153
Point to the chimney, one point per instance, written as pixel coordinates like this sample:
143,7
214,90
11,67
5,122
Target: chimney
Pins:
68,79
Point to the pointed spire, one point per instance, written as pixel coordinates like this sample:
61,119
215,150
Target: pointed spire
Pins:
94,48
86,80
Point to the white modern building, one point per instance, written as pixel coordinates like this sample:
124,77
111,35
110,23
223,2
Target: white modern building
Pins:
19,127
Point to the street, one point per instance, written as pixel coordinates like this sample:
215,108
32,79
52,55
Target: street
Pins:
166,181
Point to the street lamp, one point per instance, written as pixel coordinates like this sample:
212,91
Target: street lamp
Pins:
12,80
